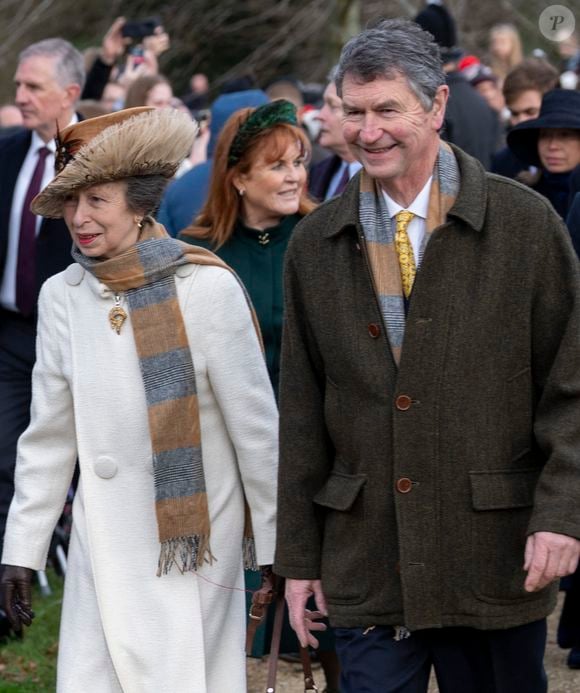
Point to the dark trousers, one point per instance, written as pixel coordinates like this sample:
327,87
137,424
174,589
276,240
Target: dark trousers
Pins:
465,660
17,354
569,626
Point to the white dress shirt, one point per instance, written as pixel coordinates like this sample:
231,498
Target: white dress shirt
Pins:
417,227
8,286
353,167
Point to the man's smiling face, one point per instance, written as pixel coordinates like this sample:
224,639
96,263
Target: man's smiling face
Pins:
386,126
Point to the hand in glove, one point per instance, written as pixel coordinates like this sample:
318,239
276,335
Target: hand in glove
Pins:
16,595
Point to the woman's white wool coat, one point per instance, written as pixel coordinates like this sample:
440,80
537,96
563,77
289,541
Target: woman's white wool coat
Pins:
123,628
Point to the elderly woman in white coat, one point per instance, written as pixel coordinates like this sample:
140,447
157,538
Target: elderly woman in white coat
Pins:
149,371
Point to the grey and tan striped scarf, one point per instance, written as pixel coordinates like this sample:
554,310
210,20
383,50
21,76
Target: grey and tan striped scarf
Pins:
379,237
146,273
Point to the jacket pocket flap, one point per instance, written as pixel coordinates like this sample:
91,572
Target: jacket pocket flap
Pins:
503,488
340,490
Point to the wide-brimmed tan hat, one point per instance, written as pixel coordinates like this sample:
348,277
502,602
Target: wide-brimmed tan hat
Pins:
133,142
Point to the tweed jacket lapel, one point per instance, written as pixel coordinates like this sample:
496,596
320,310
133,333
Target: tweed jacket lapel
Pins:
364,207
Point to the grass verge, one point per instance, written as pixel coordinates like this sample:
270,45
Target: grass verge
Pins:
29,665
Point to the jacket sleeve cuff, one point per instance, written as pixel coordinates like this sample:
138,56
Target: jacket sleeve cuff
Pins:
296,572
541,523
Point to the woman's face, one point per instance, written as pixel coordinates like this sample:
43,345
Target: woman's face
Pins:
559,149
100,221
160,96
272,190
501,44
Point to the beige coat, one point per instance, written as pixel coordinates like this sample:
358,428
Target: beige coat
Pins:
123,628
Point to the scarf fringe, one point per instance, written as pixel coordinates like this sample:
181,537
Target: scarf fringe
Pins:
190,553
249,553
187,553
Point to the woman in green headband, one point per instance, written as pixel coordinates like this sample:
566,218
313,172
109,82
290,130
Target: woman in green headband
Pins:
257,196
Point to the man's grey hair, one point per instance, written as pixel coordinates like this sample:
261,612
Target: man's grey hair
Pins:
394,47
69,63
332,73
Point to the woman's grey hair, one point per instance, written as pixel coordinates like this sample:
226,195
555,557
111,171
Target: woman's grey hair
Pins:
394,47
144,193
69,63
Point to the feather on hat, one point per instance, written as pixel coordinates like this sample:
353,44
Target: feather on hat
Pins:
133,142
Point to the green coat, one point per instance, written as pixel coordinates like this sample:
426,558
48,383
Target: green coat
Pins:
259,266
415,510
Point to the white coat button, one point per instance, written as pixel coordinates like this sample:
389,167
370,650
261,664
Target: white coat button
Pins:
105,467
74,274
105,292
184,270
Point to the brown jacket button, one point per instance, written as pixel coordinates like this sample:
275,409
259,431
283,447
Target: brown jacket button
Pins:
374,330
403,402
404,485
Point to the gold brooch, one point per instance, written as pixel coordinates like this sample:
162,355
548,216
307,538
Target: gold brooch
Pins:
117,315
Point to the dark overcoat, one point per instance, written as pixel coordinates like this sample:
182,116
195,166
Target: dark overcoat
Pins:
410,491
53,242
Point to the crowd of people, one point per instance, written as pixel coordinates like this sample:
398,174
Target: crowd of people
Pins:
331,338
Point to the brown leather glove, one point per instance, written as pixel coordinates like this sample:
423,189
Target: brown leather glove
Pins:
16,595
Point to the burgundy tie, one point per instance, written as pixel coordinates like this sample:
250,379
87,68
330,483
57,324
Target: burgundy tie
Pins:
343,180
26,265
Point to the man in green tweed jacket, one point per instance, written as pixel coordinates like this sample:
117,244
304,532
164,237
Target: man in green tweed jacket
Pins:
429,490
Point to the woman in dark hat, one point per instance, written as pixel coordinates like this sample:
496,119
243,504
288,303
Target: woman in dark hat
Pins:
552,143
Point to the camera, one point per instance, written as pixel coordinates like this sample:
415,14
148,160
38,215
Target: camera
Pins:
138,30
201,114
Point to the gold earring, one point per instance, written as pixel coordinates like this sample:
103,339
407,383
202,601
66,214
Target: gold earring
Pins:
140,224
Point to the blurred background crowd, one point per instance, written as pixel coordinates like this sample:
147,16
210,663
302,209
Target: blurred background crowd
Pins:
496,83
499,66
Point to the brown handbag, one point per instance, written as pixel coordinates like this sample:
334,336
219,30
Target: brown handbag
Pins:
272,589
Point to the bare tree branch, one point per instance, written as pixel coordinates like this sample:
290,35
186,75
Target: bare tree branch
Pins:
29,13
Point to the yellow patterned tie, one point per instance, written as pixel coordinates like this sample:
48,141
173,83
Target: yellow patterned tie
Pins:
405,251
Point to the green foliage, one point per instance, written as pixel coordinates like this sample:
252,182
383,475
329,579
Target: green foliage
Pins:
29,665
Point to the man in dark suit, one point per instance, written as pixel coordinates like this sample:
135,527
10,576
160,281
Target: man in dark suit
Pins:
49,79
329,177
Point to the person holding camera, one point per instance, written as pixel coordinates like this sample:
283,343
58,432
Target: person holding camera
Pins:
141,42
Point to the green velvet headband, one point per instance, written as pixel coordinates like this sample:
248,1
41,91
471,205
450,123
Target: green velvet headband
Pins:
264,117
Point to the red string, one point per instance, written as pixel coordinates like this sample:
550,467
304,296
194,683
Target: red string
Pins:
225,587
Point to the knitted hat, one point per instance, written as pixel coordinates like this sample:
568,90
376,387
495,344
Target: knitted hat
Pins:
440,24
560,109
134,142
483,74
469,66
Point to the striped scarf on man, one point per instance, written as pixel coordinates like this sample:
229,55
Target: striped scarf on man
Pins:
379,237
146,273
